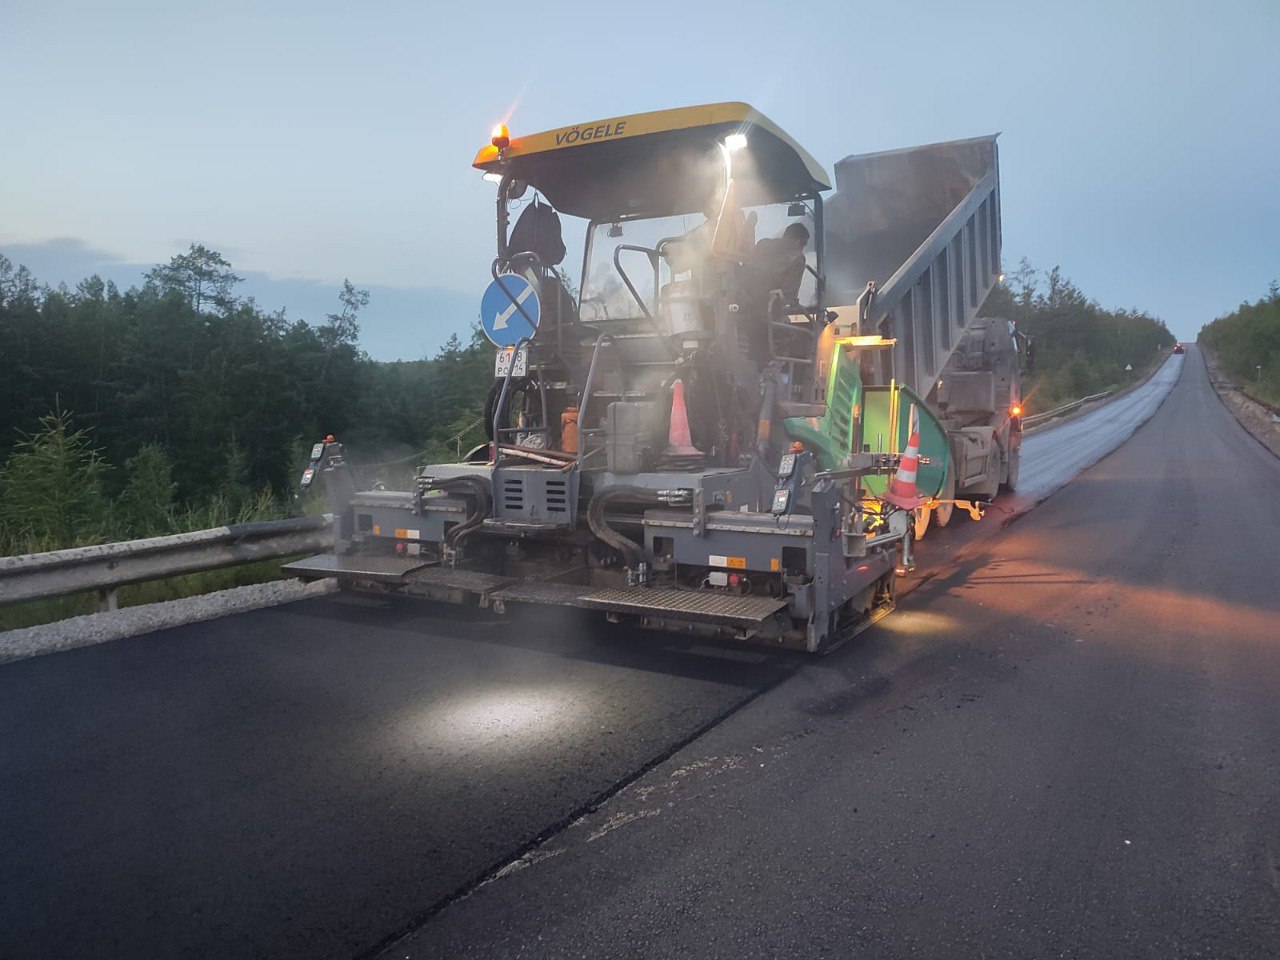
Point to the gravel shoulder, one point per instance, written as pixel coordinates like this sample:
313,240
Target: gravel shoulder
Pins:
1261,423
132,621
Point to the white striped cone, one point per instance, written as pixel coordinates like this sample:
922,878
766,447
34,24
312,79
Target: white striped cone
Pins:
902,488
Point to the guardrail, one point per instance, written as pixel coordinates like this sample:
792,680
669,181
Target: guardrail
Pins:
1065,408
38,576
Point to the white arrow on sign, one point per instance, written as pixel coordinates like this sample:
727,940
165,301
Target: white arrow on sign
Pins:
501,322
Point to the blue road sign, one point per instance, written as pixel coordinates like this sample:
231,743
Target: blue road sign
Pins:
505,323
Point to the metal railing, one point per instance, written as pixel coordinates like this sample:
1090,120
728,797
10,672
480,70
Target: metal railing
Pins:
1065,408
39,576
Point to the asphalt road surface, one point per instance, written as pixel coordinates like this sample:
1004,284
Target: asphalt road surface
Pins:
1059,452
331,779
305,781
1067,744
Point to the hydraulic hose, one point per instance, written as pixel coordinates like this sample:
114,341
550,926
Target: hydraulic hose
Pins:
631,551
483,504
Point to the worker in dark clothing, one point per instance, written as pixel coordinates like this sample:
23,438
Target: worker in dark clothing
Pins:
779,262
775,264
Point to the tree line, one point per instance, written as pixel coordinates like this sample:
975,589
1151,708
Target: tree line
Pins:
1247,342
1080,348
177,401
178,404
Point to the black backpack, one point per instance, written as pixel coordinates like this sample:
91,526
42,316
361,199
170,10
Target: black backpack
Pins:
538,231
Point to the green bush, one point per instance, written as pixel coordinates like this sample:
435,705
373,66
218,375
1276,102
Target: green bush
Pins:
206,406
51,490
145,507
1081,348
1247,342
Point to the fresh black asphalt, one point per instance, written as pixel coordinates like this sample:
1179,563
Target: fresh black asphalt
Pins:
1067,744
308,781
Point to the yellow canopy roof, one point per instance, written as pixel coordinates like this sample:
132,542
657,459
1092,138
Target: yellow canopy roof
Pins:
658,163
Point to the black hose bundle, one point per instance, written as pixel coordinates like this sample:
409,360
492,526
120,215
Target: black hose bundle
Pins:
631,551
483,505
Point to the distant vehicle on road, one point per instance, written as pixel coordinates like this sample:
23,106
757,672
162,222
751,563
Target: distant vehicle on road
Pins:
1179,348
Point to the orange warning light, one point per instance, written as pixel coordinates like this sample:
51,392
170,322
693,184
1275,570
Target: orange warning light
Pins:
1015,410
501,136
329,438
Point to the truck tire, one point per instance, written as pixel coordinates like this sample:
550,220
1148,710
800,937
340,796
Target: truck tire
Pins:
942,513
920,521
1011,474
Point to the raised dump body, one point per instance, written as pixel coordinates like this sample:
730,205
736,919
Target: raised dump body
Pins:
923,225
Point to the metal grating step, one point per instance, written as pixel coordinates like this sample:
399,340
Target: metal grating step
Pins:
688,604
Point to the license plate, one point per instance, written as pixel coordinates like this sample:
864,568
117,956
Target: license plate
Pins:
502,363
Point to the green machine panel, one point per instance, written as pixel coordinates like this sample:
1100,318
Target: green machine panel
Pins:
876,402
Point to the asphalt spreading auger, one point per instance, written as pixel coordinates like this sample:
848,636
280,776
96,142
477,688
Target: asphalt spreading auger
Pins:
719,434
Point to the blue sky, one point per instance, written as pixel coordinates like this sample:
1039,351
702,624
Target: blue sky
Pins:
314,141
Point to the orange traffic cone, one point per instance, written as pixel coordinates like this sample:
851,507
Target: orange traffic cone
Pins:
679,440
902,488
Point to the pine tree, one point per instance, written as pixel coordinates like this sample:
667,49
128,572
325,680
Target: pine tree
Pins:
51,489
146,505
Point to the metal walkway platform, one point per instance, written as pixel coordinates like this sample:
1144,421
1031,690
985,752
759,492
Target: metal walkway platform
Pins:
385,569
689,604
399,571
701,606
686,604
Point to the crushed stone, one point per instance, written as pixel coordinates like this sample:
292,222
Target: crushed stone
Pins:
1253,416
131,621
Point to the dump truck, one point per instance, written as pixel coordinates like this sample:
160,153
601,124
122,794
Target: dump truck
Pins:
738,417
